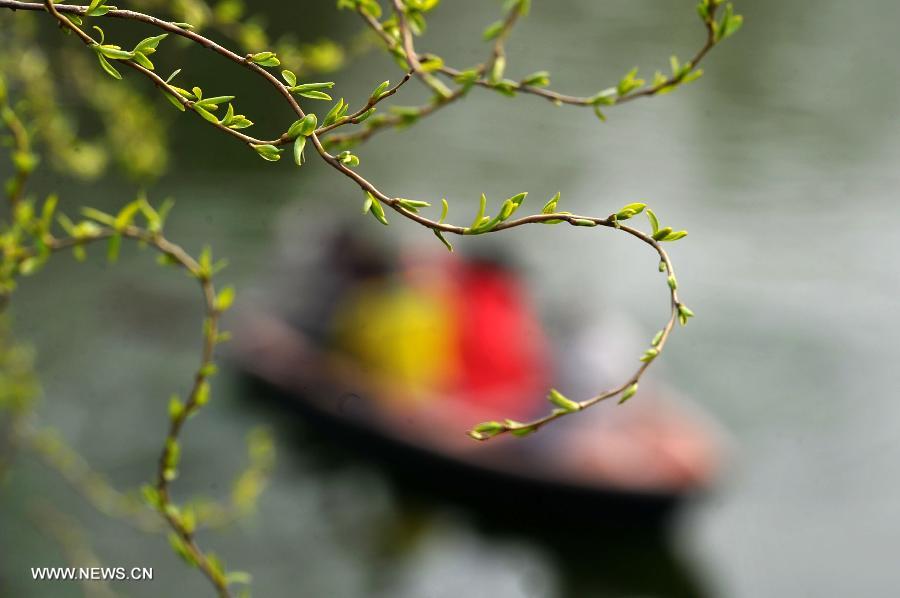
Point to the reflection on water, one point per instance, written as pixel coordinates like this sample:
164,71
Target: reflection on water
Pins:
782,164
411,537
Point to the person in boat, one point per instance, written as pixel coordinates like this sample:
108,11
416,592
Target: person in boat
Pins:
425,348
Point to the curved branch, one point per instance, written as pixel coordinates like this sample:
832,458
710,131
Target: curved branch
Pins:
198,394
508,86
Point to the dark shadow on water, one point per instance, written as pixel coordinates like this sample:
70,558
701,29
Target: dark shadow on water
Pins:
600,546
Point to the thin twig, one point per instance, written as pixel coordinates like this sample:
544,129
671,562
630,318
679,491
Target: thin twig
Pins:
411,57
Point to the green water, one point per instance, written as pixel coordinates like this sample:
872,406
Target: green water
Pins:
782,164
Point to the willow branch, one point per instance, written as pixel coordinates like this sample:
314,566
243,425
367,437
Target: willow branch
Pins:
400,118
499,50
357,117
184,530
410,52
486,81
572,100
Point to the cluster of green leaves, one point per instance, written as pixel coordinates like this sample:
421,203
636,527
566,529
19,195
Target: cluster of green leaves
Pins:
139,54
126,130
492,74
722,28
485,224
26,244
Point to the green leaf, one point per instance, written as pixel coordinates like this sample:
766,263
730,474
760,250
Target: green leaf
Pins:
289,77
184,93
632,209
692,76
365,115
110,70
202,395
431,63
101,217
378,91
413,204
96,9
206,114
228,119
679,234
348,159
443,240
315,95
498,68
312,86
703,9
684,313
486,430
267,152
181,549
492,31
479,216
142,60
662,233
173,453
213,103
649,355
377,210
335,113
538,79
558,399
467,77
607,97
299,147
265,59
175,407
173,100
303,127
629,392
148,45
113,52
523,430
126,215
654,221
550,206
150,495
224,298
629,82
731,23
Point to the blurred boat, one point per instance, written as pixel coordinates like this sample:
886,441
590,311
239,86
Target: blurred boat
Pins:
395,363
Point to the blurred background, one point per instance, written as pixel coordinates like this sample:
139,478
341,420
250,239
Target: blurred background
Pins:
781,162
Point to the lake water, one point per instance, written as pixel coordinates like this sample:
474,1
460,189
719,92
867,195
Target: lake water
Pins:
782,163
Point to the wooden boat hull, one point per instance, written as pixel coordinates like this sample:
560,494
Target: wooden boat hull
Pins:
498,495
